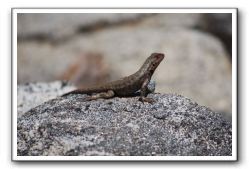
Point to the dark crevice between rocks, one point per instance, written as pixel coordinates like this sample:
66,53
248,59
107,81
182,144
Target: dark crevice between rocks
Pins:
44,38
220,26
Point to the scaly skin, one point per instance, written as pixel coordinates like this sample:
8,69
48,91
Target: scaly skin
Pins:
126,86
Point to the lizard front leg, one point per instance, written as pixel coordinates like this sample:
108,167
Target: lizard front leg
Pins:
104,95
144,92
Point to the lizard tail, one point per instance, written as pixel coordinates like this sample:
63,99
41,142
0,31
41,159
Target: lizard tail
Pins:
84,91
76,92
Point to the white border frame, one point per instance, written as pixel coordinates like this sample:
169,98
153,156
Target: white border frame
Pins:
233,11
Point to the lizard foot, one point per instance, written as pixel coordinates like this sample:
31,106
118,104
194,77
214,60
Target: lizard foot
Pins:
146,99
103,95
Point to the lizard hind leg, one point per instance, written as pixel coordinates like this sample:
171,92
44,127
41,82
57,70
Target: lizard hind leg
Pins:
104,95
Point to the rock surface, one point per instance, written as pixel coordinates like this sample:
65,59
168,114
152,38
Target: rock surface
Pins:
174,125
55,27
31,95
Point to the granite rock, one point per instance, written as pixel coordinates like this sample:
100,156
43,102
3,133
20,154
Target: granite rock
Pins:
174,125
30,95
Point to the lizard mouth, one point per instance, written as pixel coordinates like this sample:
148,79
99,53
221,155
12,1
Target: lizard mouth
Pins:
159,56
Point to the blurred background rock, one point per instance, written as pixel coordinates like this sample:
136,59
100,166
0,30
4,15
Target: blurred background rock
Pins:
93,48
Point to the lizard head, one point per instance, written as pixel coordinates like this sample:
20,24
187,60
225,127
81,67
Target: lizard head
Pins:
153,61
151,64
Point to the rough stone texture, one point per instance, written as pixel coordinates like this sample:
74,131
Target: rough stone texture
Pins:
196,64
174,125
31,95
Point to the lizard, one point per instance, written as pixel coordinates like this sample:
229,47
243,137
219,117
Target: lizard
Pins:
126,86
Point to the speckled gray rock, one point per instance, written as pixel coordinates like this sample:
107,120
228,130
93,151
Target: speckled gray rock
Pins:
30,95
174,125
